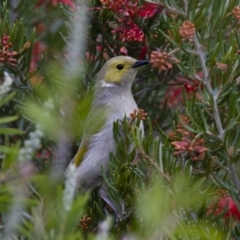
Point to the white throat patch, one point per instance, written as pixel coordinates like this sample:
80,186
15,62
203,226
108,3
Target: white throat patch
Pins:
104,84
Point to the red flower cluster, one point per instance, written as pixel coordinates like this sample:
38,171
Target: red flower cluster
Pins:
131,9
143,53
184,141
130,33
174,96
126,12
227,205
148,10
7,55
162,60
84,222
138,114
38,49
187,30
134,33
195,148
54,3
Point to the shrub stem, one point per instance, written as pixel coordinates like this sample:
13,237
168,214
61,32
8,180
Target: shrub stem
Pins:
216,116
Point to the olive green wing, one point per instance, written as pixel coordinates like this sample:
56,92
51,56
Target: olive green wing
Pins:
95,121
80,154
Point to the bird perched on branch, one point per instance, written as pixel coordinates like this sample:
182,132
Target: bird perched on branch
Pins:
112,101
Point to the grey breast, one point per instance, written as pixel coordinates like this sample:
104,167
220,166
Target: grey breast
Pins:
117,104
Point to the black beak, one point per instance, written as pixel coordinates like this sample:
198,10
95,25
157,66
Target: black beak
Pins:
140,63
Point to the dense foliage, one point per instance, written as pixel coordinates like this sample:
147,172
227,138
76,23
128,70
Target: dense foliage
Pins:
181,181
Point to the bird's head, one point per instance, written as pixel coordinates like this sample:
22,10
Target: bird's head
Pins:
120,71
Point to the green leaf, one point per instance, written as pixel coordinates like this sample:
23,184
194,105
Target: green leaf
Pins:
5,149
10,131
6,98
168,38
8,119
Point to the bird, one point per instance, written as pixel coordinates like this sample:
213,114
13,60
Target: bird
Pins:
112,101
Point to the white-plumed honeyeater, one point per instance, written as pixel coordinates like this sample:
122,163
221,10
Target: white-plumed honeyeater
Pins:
112,101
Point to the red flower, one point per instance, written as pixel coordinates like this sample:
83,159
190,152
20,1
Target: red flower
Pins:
5,40
162,60
90,57
173,95
54,3
131,33
143,53
38,49
126,12
190,87
131,9
227,205
7,54
123,51
125,7
148,9
194,147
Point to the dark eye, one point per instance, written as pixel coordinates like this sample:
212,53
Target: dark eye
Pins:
120,66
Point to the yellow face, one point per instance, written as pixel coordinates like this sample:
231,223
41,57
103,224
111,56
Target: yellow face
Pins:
118,69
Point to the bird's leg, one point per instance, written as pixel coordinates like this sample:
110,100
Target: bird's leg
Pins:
103,193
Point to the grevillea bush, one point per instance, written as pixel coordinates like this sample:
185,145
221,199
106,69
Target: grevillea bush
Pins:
181,181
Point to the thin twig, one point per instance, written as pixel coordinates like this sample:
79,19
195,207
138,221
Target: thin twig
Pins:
174,10
155,165
185,3
234,176
151,87
190,51
207,82
195,138
174,50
